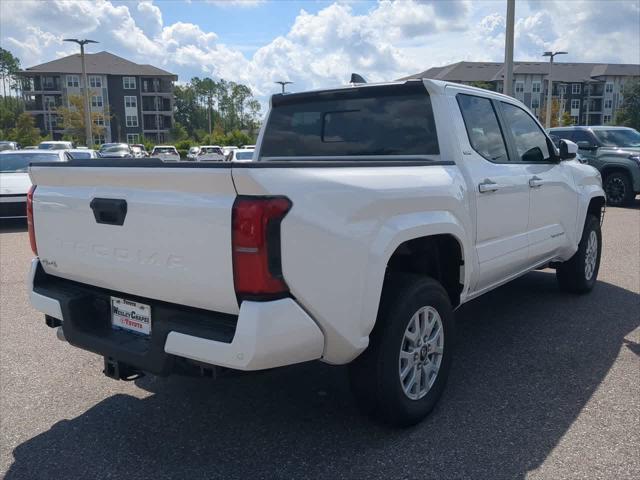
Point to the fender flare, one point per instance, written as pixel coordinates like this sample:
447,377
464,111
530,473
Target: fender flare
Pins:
400,229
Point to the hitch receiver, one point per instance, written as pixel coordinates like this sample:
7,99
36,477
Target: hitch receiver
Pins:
120,371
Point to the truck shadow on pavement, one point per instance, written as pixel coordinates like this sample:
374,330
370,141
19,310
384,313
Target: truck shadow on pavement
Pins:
528,360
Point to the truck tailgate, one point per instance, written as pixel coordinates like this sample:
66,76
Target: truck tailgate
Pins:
174,243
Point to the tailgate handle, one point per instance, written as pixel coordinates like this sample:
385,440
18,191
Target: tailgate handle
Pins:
110,211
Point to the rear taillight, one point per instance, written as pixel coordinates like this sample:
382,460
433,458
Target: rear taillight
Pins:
257,268
32,232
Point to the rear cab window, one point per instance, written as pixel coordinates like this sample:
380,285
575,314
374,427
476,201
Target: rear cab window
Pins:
372,121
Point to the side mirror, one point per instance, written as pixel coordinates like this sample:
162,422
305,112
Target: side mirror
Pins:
586,145
568,149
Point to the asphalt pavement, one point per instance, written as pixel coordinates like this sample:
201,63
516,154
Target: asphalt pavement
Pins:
544,385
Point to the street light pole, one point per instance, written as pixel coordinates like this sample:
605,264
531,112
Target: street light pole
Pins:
508,49
87,112
283,83
550,92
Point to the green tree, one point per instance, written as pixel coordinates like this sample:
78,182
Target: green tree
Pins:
73,120
178,132
9,67
9,113
485,85
566,119
629,114
25,131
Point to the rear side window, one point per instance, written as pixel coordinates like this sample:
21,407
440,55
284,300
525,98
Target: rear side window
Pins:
389,120
482,127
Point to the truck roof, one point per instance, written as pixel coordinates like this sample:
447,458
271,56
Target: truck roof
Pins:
436,85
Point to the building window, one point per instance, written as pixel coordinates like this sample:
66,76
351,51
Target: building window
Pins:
575,88
519,87
132,120
95,81
535,102
133,138
574,120
129,83
608,88
575,104
535,87
99,119
131,102
72,81
607,119
98,139
96,101
608,104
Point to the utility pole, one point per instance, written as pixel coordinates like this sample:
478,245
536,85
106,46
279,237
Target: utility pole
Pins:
87,112
561,109
547,122
283,83
508,49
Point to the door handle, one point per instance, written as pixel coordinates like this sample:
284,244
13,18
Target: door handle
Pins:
489,186
535,182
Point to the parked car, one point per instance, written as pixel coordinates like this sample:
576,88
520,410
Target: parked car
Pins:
56,145
435,194
139,150
615,152
192,154
210,153
14,178
227,150
82,153
241,155
115,150
5,145
31,147
249,147
167,153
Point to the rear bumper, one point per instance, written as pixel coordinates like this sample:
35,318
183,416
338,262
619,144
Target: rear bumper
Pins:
13,206
264,334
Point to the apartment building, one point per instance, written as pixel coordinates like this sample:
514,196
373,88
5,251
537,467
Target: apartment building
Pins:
132,100
590,92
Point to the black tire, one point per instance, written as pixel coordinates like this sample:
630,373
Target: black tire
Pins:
375,375
572,275
619,189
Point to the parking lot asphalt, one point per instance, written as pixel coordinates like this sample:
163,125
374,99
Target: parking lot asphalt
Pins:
544,385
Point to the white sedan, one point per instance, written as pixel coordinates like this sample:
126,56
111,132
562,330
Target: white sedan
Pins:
14,178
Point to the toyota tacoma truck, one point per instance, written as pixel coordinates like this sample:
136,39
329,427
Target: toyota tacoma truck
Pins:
371,212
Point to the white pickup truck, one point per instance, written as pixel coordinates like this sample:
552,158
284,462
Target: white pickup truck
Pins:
370,213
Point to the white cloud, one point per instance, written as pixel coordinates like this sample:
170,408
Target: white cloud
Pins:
387,40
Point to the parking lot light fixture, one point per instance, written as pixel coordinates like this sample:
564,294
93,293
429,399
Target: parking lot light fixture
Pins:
550,91
283,83
87,113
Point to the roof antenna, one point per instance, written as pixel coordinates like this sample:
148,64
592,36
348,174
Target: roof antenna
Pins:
355,79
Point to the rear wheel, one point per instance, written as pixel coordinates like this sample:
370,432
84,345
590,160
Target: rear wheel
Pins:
619,190
579,273
401,375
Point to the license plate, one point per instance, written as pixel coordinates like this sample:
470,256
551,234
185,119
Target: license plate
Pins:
132,316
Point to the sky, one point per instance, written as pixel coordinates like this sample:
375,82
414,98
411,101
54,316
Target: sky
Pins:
317,44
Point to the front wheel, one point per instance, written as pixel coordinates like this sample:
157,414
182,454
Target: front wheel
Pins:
401,375
619,190
579,273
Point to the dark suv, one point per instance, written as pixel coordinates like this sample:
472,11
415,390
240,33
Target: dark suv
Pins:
614,151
